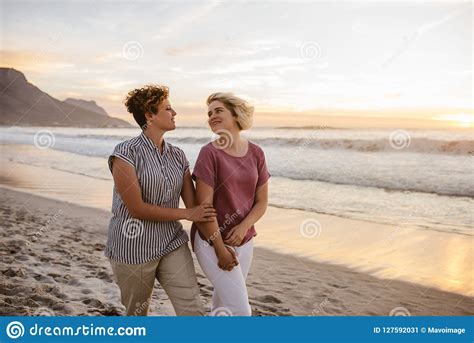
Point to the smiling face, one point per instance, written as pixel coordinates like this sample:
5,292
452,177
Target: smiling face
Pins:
221,118
164,118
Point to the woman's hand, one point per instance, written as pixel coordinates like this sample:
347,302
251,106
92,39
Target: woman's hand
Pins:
236,235
227,259
201,213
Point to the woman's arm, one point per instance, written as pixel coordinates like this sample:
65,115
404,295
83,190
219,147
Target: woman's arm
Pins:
188,193
210,229
126,183
238,232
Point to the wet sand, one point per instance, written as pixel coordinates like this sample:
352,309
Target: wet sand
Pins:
425,257
53,264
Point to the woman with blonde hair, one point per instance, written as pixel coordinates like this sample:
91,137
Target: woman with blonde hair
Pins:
231,174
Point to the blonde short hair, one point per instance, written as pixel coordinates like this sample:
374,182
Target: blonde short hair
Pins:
239,108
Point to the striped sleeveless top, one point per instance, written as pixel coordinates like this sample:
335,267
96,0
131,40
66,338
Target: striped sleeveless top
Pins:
160,175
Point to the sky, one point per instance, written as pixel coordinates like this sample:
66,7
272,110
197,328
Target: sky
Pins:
337,63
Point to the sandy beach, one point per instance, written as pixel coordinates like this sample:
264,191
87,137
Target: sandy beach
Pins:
366,133
53,264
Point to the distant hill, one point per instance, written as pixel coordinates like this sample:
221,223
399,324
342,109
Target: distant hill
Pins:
87,105
24,104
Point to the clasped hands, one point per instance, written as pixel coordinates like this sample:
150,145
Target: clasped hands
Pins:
227,259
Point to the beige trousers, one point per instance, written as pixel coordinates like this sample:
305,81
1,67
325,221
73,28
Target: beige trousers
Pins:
175,273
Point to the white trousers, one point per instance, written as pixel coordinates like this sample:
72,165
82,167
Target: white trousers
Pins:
230,296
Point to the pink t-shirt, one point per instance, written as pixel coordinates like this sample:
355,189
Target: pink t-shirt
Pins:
235,181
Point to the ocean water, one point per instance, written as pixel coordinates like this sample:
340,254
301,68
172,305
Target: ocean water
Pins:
415,178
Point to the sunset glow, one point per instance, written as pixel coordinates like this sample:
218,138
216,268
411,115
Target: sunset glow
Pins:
460,119
311,57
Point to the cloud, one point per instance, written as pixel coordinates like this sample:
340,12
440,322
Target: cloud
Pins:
251,48
448,17
33,61
186,18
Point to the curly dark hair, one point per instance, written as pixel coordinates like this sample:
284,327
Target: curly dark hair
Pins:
146,99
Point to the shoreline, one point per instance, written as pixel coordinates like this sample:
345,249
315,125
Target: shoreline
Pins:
55,265
425,257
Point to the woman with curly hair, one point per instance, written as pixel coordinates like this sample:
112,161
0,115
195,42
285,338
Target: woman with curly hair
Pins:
145,240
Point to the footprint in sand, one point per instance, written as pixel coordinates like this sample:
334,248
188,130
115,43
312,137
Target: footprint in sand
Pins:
101,274
267,310
42,312
93,303
10,272
268,299
23,258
